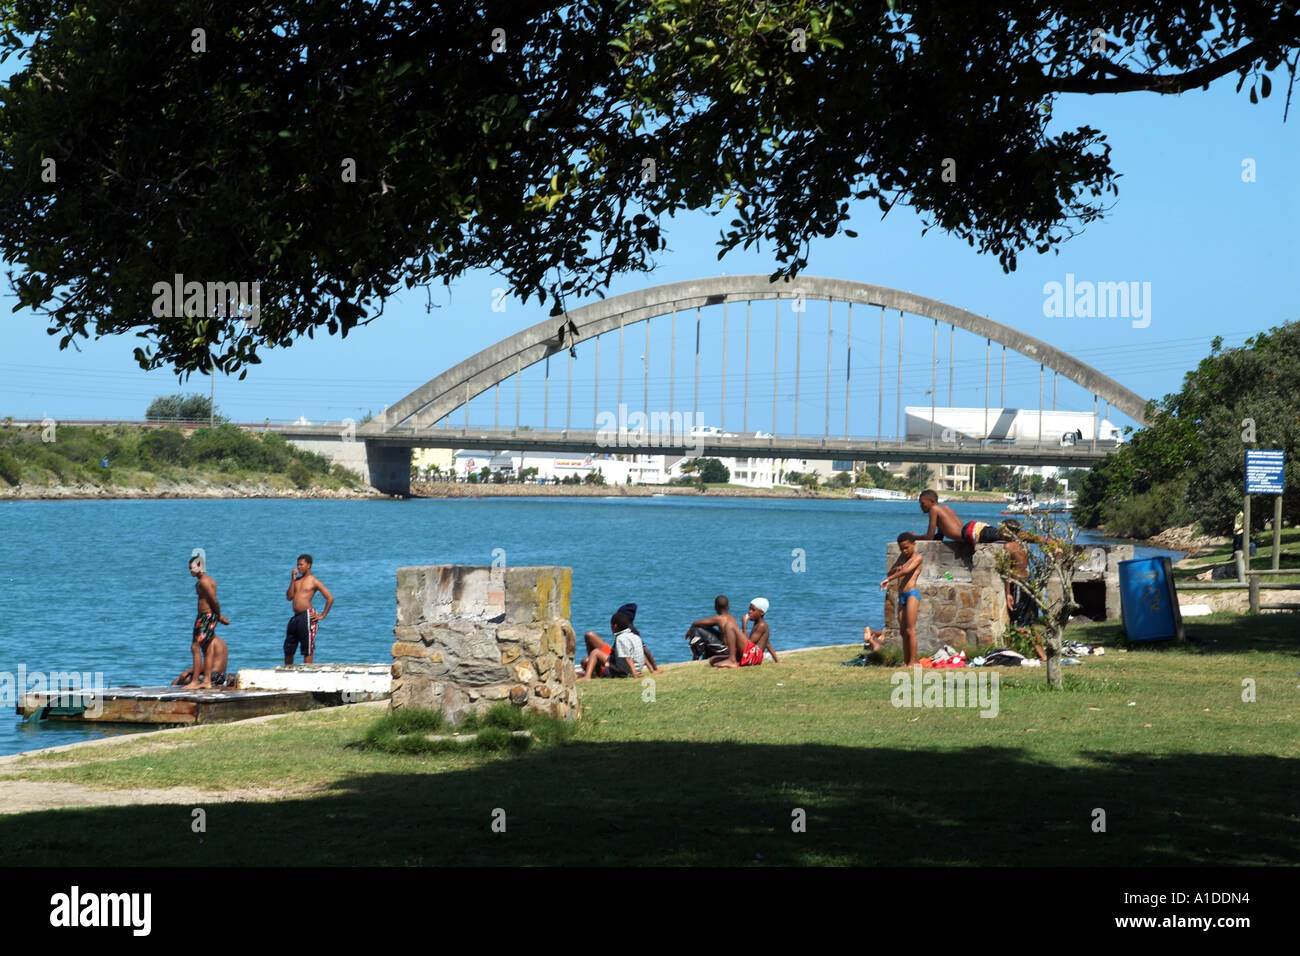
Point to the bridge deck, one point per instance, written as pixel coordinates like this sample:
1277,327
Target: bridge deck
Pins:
1027,452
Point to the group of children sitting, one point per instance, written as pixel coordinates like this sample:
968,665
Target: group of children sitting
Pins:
718,639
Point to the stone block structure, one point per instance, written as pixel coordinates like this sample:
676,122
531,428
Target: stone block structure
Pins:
467,637
962,597
1096,581
963,602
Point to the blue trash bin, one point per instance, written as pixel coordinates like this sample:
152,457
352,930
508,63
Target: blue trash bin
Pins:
1148,600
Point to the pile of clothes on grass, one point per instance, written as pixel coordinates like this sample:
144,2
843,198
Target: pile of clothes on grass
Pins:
1071,651
949,658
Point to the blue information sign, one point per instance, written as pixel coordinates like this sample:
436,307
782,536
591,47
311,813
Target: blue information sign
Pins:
1264,472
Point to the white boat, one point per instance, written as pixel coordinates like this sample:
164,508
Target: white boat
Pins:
881,494
1025,504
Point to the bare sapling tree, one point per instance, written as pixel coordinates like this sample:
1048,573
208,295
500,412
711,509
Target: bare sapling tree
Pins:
1049,583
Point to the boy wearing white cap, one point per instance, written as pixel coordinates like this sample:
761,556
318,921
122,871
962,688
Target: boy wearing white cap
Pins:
756,643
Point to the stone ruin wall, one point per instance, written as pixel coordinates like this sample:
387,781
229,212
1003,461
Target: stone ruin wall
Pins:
963,603
468,637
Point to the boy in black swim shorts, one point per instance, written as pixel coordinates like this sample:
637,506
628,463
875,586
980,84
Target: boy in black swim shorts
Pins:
207,616
301,630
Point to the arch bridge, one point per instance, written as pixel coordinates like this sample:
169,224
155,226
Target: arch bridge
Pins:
437,414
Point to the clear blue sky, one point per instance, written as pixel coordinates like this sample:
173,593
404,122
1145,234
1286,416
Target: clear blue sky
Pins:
1220,254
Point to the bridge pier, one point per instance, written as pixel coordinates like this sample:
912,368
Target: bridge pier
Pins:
387,468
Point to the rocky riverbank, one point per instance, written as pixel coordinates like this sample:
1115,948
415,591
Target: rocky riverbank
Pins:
163,488
1185,538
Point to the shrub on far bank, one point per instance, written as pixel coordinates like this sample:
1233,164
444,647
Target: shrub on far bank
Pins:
77,453
163,446
1147,514
299,474
10,470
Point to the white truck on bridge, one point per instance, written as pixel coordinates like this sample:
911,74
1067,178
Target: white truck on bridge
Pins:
1007,424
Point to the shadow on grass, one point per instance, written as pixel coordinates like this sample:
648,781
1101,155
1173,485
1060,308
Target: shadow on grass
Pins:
1220,634
676,803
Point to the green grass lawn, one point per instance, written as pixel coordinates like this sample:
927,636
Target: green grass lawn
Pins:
716,767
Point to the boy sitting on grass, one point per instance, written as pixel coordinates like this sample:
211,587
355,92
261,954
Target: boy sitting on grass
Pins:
627,657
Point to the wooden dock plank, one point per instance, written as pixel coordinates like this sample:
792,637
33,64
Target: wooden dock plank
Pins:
170,705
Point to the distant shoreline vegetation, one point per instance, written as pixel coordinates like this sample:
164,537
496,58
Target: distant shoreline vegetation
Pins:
137,457
1188,466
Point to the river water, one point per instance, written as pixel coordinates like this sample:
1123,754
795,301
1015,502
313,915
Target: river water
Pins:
103,586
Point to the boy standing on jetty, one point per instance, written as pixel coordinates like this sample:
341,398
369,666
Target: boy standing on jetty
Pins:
907,571
205,621
301,630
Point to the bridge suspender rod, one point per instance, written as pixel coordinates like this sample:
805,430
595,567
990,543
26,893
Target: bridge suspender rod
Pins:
672,368
496,406
1055,374
695,402
723,425
645,360
776,362
1094,422
467,408
880,381
1004,377
830,306
934,370
595,391
568,397
988,345
748,306
1040,403
898,400
952,335
620,364
546,397
848,365
800,304
519,370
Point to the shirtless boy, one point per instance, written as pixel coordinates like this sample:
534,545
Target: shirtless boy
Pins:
205,621
944,523
721,624
215,661
907,571
301,630
1020,572
747,650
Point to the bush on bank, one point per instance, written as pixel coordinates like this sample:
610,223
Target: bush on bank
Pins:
76,455
1189,462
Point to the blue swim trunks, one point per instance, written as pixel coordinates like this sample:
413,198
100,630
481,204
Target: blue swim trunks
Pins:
904,595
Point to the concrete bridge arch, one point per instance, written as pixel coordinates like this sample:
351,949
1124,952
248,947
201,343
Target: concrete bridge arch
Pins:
443,394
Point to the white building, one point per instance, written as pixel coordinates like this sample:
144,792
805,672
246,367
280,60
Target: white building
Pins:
641,469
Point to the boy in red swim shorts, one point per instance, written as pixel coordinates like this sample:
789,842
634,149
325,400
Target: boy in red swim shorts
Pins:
757,642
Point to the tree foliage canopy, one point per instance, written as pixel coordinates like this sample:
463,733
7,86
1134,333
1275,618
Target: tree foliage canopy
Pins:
182,408
334,152
1191,459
